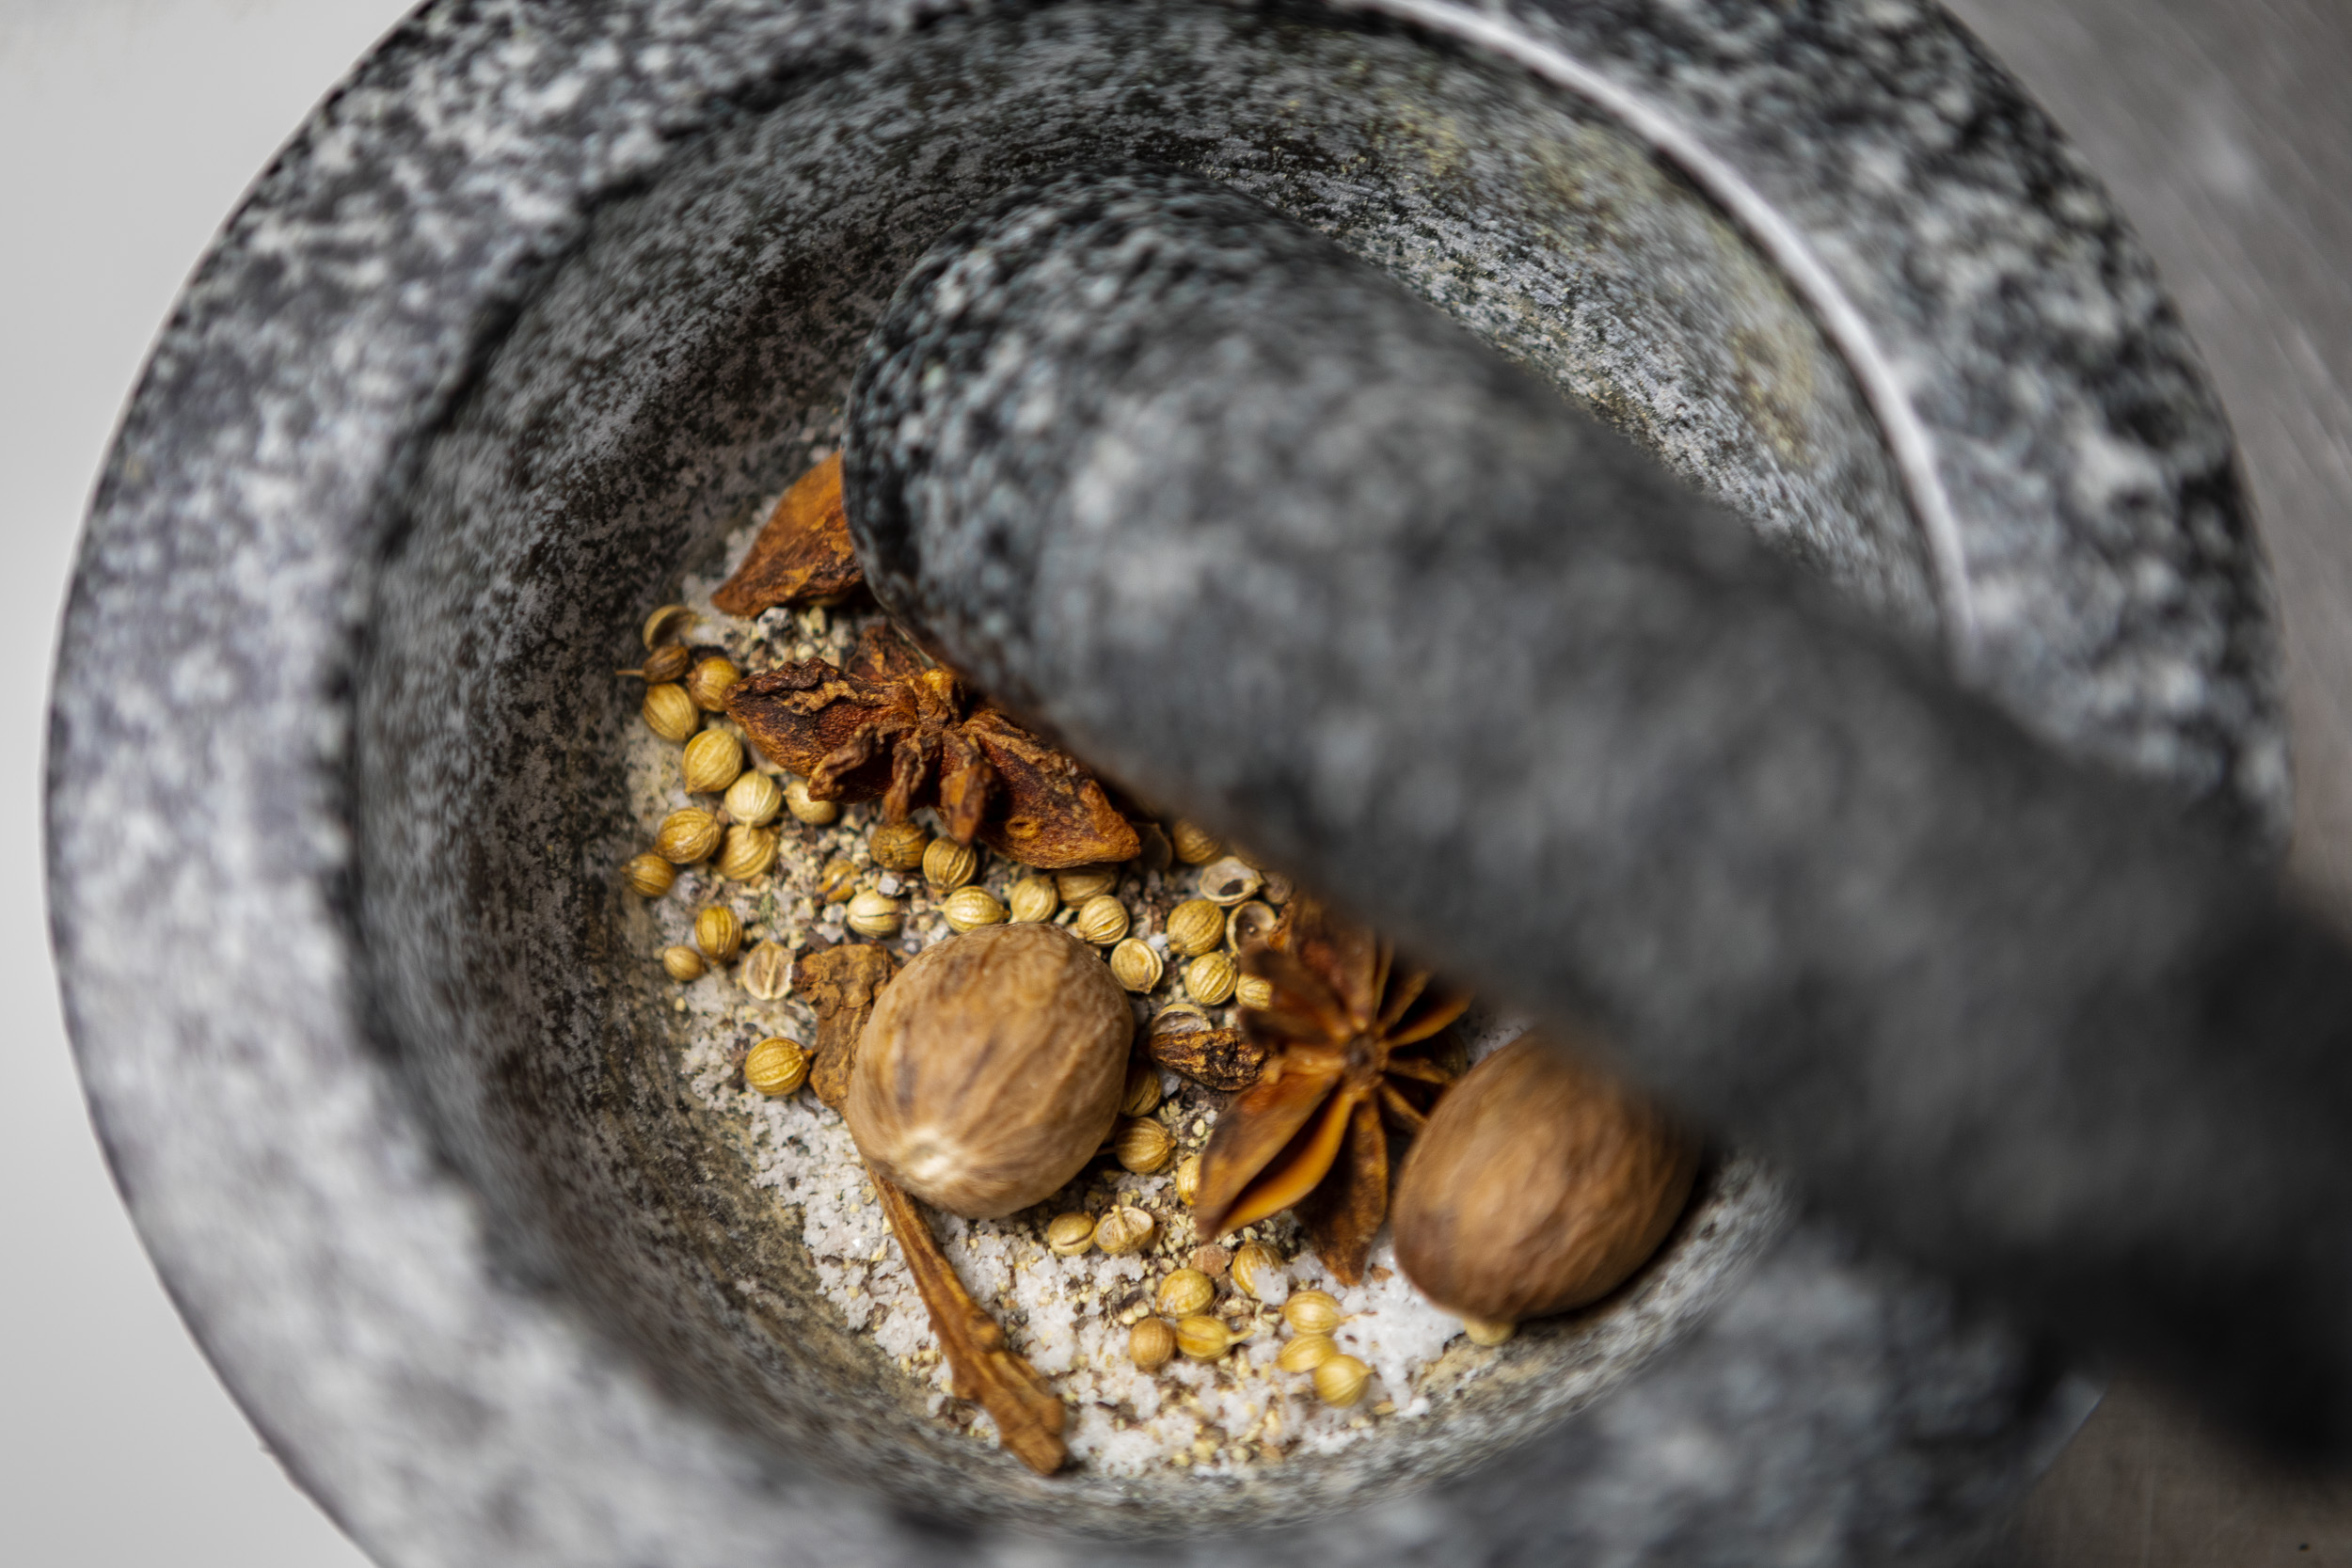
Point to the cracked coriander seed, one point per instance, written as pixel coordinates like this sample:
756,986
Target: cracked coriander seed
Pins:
1306,1352
968,908
710,762
1070,1234
1340,1380
1257,1270
670,713
805,807
1143,1147
1311,1311
718,933
1229,881
776,1066
683,963
1102,920
1251,924
687,836
649,876
1034,899
898,845
667,621
1194,926
1088,881
1135,966
1184,1294
1203,1339
947,865
749,852
836,882
1194,845
1209,979
1142,1097
753,799
1124,1230
874,914
708,681
1151,1344
766,972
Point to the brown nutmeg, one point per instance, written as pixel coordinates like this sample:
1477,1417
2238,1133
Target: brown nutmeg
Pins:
991,1069
1539,1185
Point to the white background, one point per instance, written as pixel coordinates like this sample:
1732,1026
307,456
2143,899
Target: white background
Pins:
129,129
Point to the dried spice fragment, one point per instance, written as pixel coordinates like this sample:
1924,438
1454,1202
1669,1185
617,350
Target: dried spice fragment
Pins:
804,554
1185,1043
1355,1043
889,725
1030,1418
842,985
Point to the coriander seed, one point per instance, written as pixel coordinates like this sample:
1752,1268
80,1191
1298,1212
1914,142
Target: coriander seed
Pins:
1123,1230
898,845
805,807
1186,1293
776,1066
1143,1147
1087,881
1203,1339
1034,899
718,933
1151,1344
683,963
1485,1331
1340,1380
1254,992
1229,881
1194,927
710,762
1135,966
1311,1311
669,712
663,665
968,908
837,882
1142,1097
753,799
1257,1270
766,972
1305,1353
749,852
1189,1180
687,836
1251,924
1194,845
874,914
1209,979
649,876
708,681
1102,920
1070,1234
947,865
667,621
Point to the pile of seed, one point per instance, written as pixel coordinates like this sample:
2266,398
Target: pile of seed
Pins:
1167,1350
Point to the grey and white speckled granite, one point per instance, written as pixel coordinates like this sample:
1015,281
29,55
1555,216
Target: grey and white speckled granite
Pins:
399,1298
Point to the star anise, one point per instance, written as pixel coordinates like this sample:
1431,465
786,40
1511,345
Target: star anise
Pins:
804,554
1356,1044
892,727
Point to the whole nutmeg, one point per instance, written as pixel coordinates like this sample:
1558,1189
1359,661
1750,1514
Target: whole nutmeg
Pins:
1087,881
1194,926
1204,1338
1193,845
1184,1294
1123,1230
1305,1353
947,865
1140,1097
898,845
1209,979
766,972
968,908
776,1066
875,914
710,762
1257,1271
1340,1380
991,1069
1311,1311
649,876
1033,899
687,836
1070,1234
1229,881
708,681
1143,1147
1102,920
1539,1185
669,712
683,963
1151,1344
1135,966
1249,924
748,853
718,933
805,807
753,799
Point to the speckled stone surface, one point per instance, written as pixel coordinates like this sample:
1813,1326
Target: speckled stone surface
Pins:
404,1189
